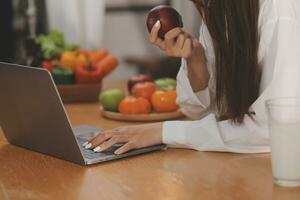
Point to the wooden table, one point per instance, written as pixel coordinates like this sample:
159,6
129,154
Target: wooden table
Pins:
170,174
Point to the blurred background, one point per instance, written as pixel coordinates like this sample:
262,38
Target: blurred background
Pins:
118,25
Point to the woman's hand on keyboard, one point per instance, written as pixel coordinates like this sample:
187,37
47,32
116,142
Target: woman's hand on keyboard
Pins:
133,137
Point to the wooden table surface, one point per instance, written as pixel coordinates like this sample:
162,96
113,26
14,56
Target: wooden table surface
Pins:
170,174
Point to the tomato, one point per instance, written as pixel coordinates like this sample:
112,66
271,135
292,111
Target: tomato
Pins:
145,90
135,79
164,101
133,105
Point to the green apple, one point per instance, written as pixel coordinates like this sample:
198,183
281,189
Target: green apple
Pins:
110,99
165,83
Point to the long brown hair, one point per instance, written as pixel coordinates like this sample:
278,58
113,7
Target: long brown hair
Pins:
233,26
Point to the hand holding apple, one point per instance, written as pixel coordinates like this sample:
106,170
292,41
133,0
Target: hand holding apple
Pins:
165,27
169,19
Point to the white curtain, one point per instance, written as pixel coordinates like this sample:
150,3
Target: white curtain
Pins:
81,20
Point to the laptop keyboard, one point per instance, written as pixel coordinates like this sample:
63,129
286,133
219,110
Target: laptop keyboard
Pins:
90,154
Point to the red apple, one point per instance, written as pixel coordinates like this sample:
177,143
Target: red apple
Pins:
168,16
141,78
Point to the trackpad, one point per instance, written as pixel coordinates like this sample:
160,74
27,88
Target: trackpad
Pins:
86,132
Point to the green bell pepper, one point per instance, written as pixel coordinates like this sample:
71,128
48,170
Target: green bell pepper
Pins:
63,76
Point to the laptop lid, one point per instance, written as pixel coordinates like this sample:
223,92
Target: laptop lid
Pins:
32,114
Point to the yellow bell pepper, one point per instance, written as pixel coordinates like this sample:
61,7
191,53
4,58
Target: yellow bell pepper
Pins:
68,60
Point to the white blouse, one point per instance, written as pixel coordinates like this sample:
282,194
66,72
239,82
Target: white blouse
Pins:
279,56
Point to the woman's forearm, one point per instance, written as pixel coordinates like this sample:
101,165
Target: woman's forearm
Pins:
197,69
178,43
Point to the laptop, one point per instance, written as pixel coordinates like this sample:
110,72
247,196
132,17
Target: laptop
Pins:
32,116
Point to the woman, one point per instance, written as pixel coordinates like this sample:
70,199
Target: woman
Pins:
248,52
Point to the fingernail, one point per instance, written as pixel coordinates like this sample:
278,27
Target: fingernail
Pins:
84,144
97,149
157,24
117,152
89,145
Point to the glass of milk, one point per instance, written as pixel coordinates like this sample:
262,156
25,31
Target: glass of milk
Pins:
284,130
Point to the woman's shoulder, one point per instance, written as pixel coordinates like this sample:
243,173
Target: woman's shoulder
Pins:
274,10
275,14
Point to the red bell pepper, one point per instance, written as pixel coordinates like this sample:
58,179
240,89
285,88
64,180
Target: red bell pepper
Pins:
98,55
108,64
88,74
47,65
